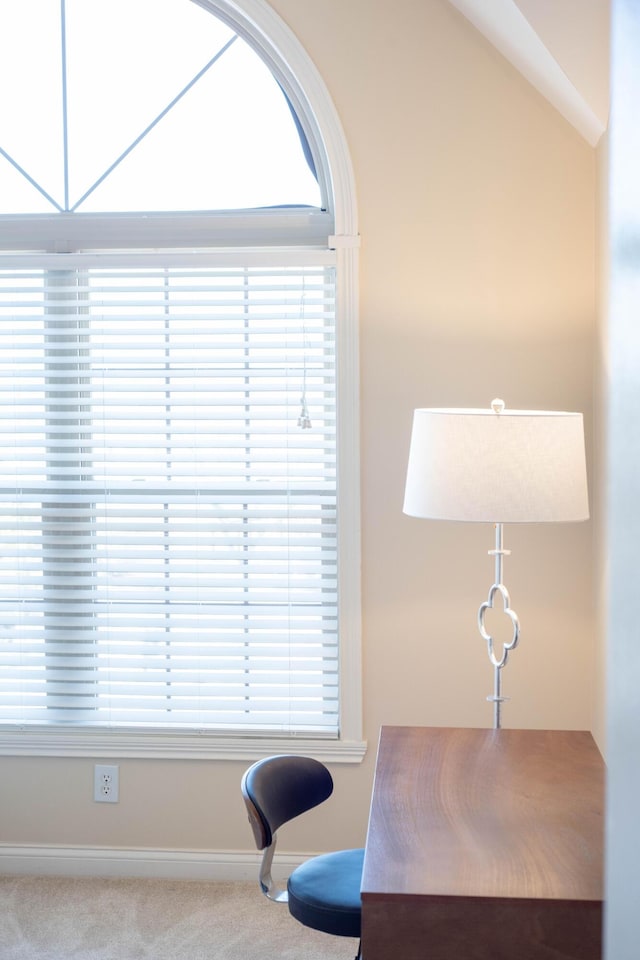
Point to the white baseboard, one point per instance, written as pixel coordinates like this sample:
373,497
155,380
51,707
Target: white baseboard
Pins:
53,860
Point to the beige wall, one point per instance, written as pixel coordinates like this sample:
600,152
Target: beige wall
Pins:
477,205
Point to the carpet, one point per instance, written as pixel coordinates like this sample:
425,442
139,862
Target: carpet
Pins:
50,918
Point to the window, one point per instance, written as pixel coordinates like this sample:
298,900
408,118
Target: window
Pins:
178,541
174,112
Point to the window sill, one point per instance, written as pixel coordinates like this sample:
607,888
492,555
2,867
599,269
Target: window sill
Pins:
170,745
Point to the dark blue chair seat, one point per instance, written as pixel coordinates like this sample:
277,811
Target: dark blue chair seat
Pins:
324,892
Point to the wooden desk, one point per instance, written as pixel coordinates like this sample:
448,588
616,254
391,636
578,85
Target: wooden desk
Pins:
484,845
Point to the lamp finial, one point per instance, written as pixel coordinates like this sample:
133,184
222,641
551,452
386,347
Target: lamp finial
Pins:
497,405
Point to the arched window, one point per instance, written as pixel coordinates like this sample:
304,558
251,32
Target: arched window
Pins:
176,112
178,490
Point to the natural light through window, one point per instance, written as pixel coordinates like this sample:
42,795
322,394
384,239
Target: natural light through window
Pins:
179,538
140,105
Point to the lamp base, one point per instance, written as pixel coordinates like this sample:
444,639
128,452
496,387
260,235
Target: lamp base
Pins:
497,710
498,661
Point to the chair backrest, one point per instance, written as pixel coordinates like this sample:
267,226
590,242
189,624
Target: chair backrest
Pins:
277,789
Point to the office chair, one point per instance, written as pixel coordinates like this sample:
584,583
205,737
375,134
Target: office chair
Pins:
324,891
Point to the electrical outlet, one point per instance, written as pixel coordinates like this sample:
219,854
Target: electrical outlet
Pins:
105,783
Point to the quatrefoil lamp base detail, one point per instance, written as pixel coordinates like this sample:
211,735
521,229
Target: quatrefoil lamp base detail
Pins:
498,661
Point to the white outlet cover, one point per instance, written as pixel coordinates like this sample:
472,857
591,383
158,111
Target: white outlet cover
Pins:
106,786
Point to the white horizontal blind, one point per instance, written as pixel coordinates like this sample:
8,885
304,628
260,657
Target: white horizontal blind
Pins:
167,520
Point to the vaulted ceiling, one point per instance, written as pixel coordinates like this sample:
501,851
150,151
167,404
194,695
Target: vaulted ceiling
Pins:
560,46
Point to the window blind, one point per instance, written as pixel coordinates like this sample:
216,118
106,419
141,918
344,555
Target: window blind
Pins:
168,548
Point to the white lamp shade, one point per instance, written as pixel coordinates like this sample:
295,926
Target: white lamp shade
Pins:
513,466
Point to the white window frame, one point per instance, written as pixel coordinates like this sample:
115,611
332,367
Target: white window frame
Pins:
335,230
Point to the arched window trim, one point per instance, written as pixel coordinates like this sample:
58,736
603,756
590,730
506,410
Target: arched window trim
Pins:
272,38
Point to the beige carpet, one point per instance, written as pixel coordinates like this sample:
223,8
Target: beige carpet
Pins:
46,918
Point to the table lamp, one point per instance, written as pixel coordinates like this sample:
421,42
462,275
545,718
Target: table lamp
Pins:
497,466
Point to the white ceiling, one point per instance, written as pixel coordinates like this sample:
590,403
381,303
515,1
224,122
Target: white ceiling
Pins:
560,46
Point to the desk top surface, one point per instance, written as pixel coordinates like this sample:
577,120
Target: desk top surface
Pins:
486,813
